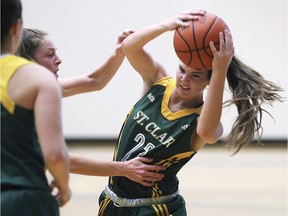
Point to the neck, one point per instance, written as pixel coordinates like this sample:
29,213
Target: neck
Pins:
176,103
8,47
6,50
5,53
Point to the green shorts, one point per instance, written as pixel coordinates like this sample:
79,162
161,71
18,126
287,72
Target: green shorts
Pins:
26,202
176,207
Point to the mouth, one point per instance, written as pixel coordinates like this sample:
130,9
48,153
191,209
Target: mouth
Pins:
56,72
185,88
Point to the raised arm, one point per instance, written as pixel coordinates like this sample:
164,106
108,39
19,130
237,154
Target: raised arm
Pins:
142,61
135,169
209,127
98,78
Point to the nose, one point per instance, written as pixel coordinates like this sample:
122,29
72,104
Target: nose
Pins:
58,60
184,77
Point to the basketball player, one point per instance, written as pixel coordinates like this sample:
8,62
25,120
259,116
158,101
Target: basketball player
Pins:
173,120
37,46
31,128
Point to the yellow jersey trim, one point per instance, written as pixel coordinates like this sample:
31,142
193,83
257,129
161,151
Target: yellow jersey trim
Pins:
9,65
170,83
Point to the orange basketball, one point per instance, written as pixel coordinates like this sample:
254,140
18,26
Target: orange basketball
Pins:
191,44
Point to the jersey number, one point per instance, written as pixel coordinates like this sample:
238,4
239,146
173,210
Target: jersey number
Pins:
140,139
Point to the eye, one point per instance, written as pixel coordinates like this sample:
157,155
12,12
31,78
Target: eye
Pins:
181,69
196,75
51,54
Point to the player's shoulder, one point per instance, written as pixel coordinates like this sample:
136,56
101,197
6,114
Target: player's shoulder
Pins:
34,68
38,78
37,73
164,81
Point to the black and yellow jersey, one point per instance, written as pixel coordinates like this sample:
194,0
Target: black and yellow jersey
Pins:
152,130
22,164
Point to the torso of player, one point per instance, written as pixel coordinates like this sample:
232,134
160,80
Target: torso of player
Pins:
152,130
21,156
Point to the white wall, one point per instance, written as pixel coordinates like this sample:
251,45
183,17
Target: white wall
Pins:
85,34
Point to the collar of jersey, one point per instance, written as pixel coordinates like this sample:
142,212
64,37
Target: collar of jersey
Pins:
167,113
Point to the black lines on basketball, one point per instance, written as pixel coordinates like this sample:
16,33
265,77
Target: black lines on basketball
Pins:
192,44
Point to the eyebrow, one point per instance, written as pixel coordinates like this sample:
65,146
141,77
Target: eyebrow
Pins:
197,72
194,72
51,50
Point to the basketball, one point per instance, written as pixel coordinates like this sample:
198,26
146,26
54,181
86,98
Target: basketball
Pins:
191,43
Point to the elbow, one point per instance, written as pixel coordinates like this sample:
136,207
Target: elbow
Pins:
54,158
95,84
75,164
210,136
74,169
207,137
127,47
98,87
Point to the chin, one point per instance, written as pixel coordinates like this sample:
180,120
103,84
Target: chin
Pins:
183,94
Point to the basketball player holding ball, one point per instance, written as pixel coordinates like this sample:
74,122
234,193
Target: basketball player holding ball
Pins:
173,120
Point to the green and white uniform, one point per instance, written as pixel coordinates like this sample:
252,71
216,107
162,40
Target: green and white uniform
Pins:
24,187
152,130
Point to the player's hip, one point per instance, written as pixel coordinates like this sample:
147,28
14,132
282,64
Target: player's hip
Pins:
174,205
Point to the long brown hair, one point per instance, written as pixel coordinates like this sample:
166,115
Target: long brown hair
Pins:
250,90
31,40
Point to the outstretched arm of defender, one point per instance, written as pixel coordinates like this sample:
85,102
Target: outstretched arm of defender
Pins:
135,169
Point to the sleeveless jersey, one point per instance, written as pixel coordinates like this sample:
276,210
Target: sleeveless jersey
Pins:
152,130
21,156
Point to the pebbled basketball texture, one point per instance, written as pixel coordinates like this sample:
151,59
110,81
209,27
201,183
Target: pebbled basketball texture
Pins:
191,44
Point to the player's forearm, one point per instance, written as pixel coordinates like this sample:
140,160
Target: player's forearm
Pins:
58,166
138,39
95,81
107,70
88,166
209,126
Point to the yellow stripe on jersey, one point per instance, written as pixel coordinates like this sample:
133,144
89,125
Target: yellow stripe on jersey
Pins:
156,210
164,81
9,65
174,159
103,205
170,83
161,210
156,192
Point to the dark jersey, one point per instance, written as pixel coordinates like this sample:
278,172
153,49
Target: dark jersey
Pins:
22,164
152,130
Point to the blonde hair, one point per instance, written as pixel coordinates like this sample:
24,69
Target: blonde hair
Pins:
31,40
249,92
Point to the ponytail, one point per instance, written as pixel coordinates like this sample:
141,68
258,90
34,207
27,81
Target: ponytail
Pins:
250,91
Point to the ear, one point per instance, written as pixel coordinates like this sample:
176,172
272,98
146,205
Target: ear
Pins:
16,34
17,28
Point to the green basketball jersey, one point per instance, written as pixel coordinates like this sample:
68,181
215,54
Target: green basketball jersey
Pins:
22,164
152,130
